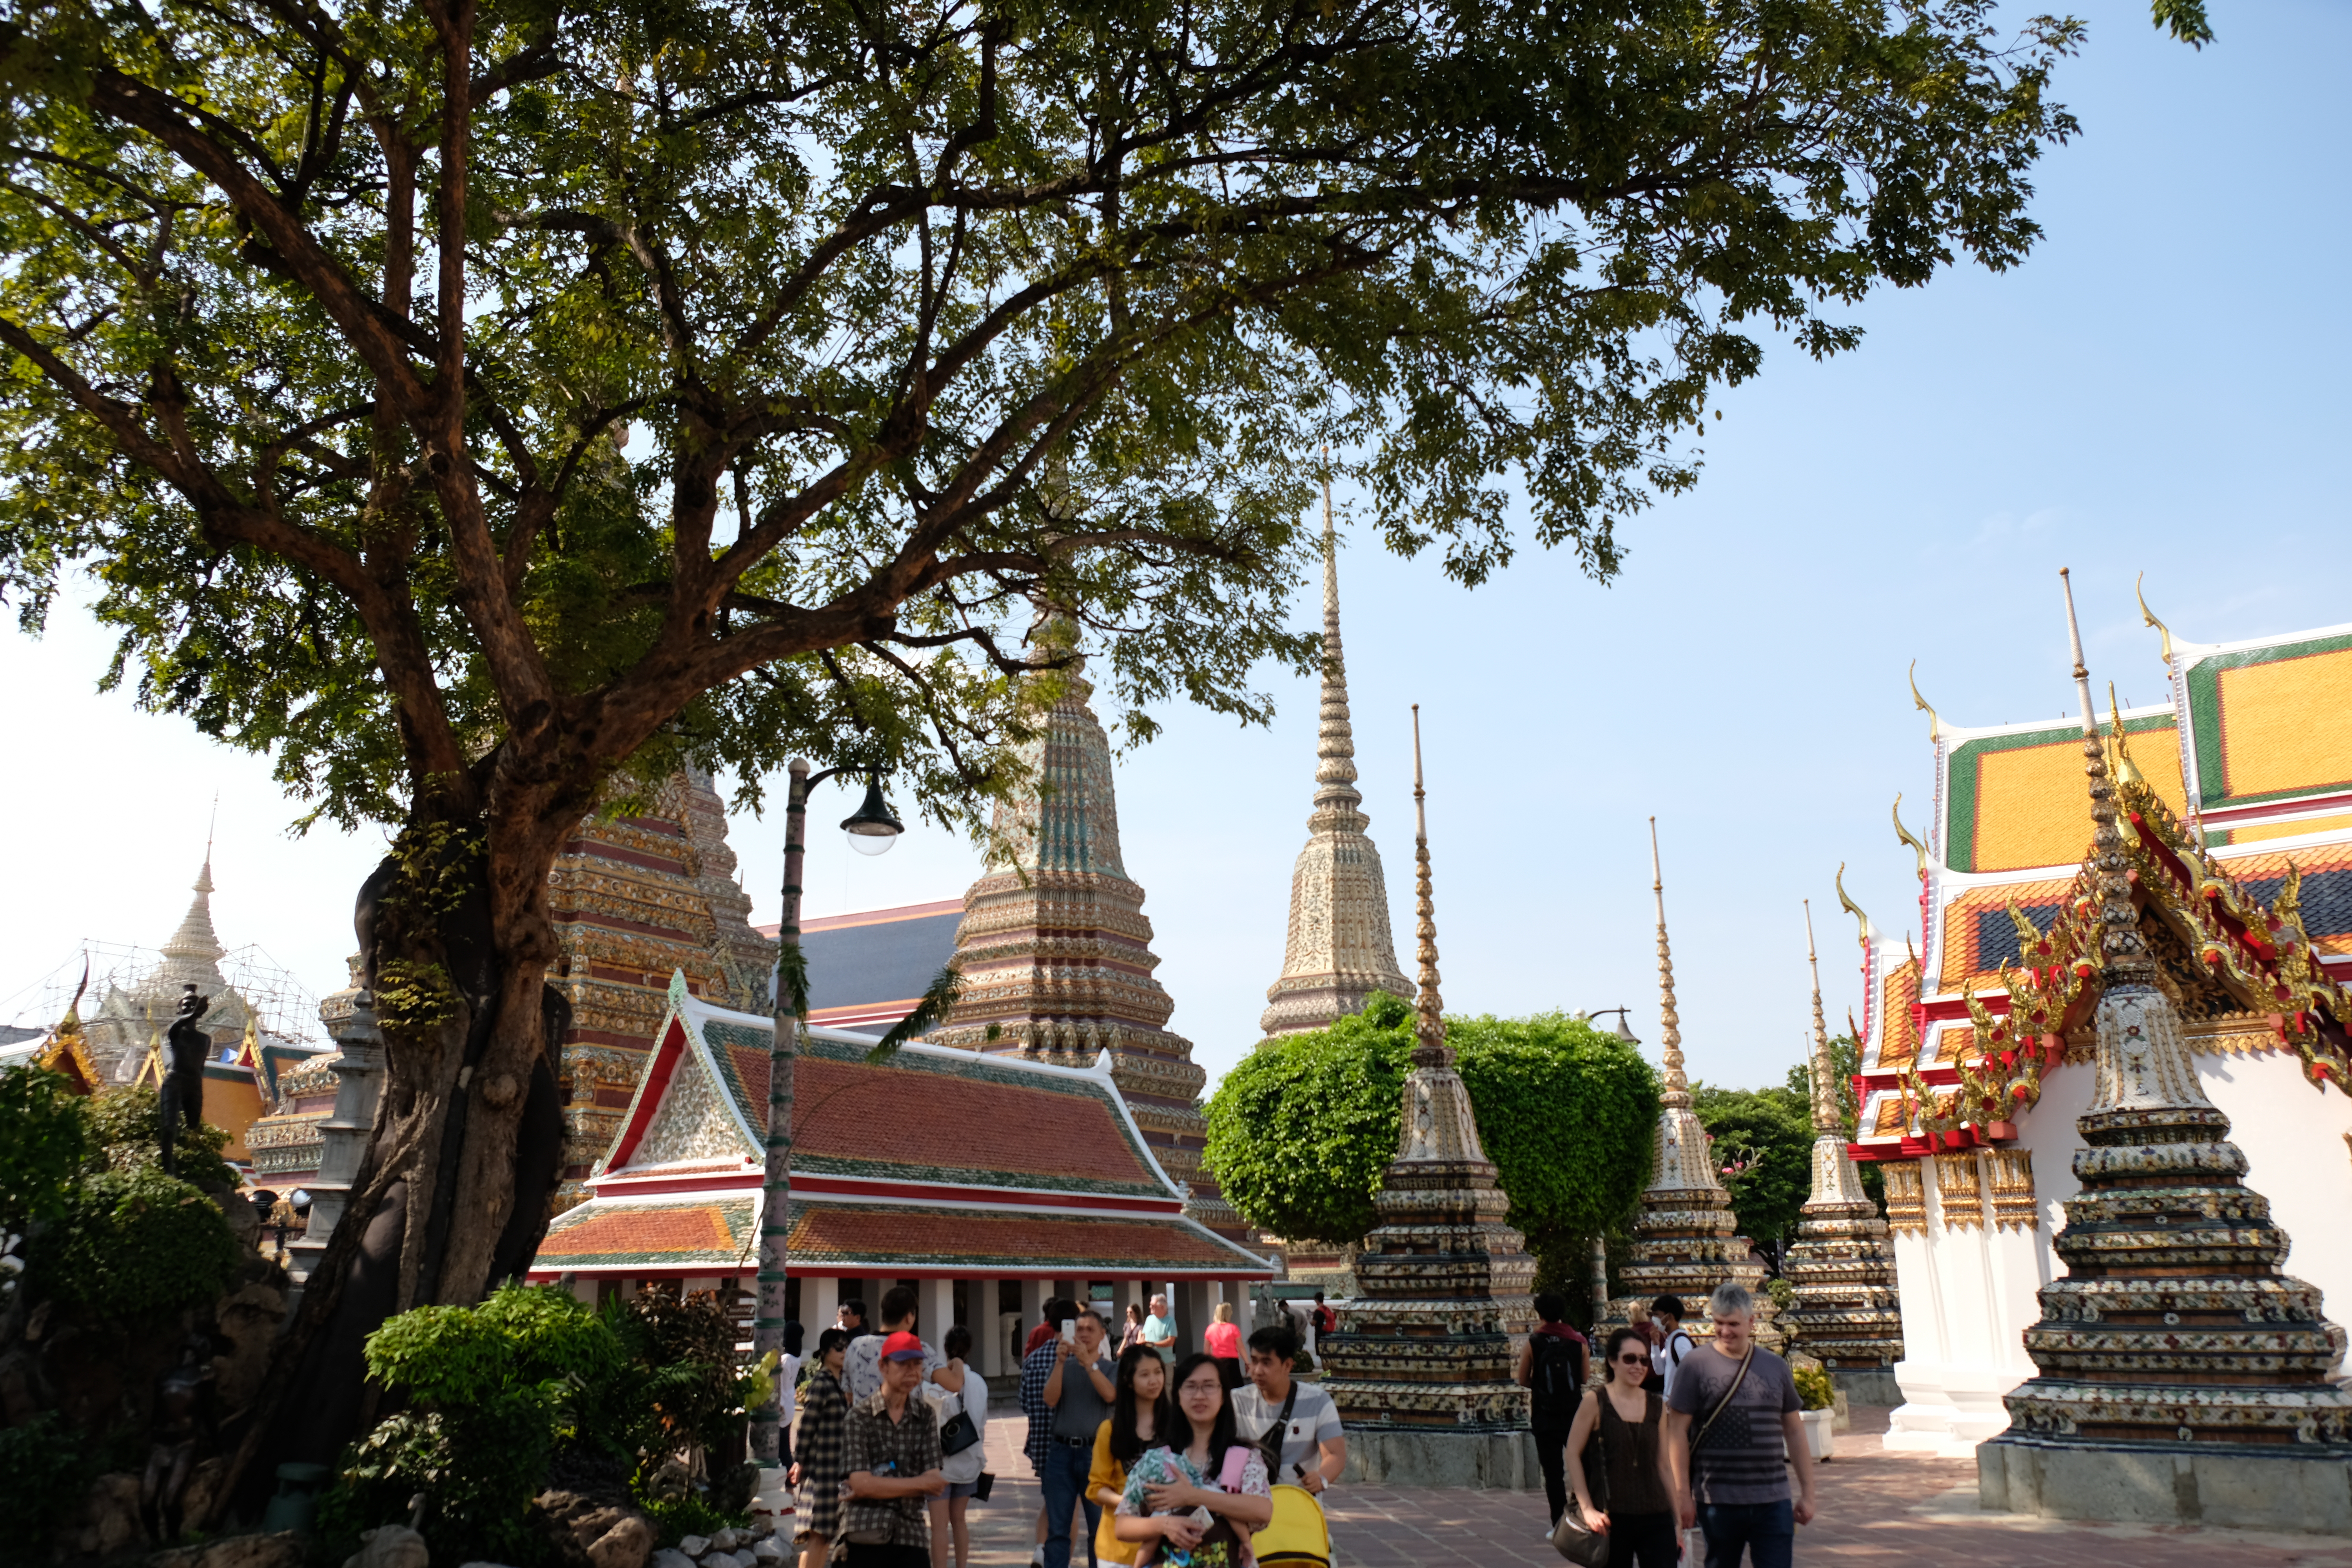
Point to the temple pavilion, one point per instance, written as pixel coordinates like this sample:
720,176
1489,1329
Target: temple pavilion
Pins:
2235,812
989,1182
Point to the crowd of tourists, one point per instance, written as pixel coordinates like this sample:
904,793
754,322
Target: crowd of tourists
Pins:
1678,1453
1147,1456
1675,1454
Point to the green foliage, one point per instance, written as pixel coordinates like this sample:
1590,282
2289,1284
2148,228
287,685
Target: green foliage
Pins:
42,1479
43,1139
494,1391
132,1244
122,1134
674,1519
1300,1131
1784,1294
912,315
1762,1143
1816,1389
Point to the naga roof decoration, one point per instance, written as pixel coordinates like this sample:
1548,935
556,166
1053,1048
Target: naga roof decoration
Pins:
2241,937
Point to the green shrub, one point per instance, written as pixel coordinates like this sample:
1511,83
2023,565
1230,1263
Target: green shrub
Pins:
122,1128
1815,1388
1784,1294
491,1389
41,1479
43,1139
132,1244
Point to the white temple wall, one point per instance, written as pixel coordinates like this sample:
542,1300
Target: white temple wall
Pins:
1969,1292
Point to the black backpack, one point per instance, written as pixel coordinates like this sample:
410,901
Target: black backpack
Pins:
1556,1379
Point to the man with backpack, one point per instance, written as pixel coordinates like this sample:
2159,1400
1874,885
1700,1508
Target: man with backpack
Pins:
1674,1346
1552,1369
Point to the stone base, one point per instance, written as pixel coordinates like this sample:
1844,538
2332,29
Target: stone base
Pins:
1872,1386
2285,1489
1485,1461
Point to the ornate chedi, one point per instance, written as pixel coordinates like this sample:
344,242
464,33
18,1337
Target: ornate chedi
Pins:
634,899
124,1028
1843,1265
632,902
2174,1360
1685,1240
1338,951
1429,1343
1056,952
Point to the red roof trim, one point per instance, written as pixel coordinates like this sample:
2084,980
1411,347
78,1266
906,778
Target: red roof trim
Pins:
649,1097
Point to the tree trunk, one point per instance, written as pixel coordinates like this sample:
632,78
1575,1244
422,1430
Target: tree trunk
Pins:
451,1198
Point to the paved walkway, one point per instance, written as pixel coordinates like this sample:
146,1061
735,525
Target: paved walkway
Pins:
1876,1508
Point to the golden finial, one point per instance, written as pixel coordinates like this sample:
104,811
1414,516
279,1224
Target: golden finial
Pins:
2123,950
1935,725
1851,907
2124,772
1670,1029
1429,1020
2148,617
1903,833
1825,1116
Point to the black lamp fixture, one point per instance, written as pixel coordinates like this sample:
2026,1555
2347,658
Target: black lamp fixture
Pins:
872,828
1625,1035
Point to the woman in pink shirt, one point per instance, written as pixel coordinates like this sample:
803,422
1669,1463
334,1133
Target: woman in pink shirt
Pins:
1222,1340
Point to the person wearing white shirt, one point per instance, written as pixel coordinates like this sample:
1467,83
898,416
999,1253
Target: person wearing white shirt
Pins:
956,1388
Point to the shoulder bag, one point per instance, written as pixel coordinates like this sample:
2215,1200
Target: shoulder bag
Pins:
1571,1537
959,1431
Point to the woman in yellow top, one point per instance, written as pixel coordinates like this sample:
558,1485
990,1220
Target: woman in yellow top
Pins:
1139,1420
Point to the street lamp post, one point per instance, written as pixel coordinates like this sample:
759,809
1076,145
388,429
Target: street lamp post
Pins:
872,830
1600,1241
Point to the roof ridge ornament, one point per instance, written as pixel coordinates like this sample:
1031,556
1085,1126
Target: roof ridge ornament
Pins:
1904,834
2147,617
1935,725
1846,903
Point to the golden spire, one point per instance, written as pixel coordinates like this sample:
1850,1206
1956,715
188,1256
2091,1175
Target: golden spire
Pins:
1670,1031
2124,955
2124,772
1429,1022
1917,848
1825,1116
1935,726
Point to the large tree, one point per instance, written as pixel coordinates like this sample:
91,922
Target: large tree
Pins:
480,406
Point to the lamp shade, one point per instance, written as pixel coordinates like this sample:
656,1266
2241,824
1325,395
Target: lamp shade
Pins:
872,828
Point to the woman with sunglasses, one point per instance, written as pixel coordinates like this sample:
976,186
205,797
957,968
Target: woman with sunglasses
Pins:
1626,1420
1166,1484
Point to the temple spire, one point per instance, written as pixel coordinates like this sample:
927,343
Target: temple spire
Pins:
1338,949
1429,1023
195,941
1335,740
1825,1116
2124,953
1670,1031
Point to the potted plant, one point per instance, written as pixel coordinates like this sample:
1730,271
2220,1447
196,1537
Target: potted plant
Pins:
1818,1392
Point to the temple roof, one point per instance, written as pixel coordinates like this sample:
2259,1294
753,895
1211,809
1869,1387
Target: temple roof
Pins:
932,1158
870,968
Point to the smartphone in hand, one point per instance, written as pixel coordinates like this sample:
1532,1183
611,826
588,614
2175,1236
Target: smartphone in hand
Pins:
1069,1331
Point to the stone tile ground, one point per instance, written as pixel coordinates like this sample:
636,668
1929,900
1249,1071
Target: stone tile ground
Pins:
1878,1508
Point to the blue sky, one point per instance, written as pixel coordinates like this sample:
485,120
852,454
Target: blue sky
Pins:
2157,389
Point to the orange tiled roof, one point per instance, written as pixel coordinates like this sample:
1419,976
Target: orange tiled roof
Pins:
1978,935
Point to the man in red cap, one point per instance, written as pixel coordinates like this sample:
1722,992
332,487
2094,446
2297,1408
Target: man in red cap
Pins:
891,1455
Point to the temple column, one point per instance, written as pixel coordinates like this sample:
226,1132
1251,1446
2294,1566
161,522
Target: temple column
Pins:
1192,1316
935,1312
359,1074
820,1300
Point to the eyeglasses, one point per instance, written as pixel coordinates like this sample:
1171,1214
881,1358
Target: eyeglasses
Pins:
1632,1360
1197,1386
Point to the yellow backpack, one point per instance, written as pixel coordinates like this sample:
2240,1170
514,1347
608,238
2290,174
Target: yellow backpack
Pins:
1298,1536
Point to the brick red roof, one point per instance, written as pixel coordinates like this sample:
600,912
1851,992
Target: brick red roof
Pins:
715,1231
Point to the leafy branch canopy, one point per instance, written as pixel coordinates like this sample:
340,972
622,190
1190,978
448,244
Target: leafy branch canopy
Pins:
461,400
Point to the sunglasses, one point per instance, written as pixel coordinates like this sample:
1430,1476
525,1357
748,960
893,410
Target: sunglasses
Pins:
1632,1360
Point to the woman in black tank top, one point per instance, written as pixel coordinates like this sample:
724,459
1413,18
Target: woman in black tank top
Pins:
1613,1462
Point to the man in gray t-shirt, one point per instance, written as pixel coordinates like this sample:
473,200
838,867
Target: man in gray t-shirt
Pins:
1314,1445
1733,1484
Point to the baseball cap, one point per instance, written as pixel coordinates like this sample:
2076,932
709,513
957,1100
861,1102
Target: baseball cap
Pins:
902,1346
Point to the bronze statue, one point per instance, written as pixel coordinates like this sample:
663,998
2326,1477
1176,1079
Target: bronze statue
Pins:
183,1419
184,1085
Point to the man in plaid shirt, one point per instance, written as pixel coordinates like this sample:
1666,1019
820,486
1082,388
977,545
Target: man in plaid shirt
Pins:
891,1456
1036,1367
